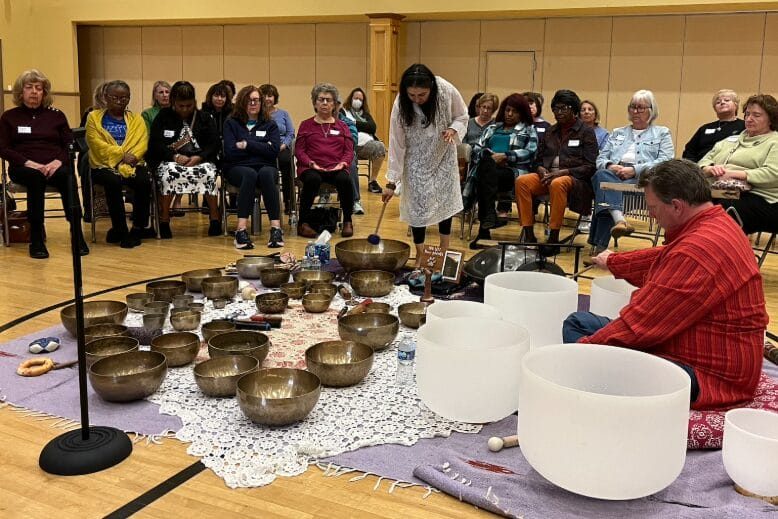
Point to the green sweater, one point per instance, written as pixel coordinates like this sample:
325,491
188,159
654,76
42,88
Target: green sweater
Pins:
149,114
757,156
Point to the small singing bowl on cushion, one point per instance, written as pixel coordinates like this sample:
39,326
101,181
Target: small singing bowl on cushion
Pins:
316,303
180,348
412,315
166,290
153,322
375,330
196,307
194,278
128,376
183,300
219,376
278,396
215,328
312,276
107,346
220,287
98,331
157,307
95,312
323,288
294,290
339,363
378,308
240,342
186,320
136,300
272,302
273,277
371,283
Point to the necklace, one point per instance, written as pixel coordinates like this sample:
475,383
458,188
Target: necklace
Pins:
325,129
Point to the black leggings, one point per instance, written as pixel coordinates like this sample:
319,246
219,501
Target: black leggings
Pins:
756,213
419,233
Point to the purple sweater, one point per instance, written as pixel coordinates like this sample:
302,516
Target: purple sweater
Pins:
39,134
325,144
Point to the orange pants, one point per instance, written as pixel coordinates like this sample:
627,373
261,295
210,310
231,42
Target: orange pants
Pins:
530,185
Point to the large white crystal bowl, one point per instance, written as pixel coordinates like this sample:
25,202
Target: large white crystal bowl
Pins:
609,295
750,450
449,309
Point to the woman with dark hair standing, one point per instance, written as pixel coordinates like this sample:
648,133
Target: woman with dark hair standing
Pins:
368,145
429,118
286,130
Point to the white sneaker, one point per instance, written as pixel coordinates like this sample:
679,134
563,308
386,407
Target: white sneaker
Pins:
585,225
358,209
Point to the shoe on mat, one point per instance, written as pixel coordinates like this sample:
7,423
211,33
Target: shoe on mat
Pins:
622,229
276,240
243,240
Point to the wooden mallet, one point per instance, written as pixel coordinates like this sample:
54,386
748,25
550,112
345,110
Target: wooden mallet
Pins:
496,444
375,239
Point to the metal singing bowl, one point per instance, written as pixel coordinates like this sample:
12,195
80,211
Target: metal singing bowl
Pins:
220,287
278,396
180,348
128,376
375,330
312,276
339,363
136,300
412,314
106,346
316,303
215,328
219,376
194,278
360,254
98,331
240,342
95,312
165,290
272,302
186,320
273,277
320,287
371,283
295,290
249,268
378,308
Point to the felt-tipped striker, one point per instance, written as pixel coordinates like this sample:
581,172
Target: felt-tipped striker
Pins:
375,239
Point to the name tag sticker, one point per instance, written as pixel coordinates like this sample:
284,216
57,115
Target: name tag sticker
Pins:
334,132
573,143
540,130
261,133
709,131
170,133
732,138
24,129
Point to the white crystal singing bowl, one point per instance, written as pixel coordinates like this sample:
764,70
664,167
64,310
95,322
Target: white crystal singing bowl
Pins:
449,309
609,296
540,302
603,421
750,450
468,368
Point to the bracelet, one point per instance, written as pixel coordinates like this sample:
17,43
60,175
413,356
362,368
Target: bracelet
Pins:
391,185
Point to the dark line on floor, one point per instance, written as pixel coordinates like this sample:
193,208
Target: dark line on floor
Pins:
148,497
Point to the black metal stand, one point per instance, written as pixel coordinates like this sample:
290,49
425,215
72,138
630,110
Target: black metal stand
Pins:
89,449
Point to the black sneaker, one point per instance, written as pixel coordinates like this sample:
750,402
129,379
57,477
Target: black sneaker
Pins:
38,250
83,248
243,240
374,187
276,238
214,228
164,230
129,241
115,235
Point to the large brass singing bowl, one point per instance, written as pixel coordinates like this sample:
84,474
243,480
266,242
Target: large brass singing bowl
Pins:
372,283
272,302
316,303
360,254
215,328
375,330
278,396
165,290
412,314
378,308
313,276
249,268
95,312
98,331
273,277
180,348
220,287
295,290
186,320
137,300
240,342
321,287
339,363
194,278
219,376
128,376
107,346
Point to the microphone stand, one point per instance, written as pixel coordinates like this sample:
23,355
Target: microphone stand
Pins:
89,449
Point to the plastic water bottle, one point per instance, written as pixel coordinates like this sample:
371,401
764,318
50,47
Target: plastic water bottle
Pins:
406,357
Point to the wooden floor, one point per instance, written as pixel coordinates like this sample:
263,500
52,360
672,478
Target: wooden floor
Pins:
26,491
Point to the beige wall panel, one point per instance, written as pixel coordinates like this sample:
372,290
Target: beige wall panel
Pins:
162,58
71,107
409,46
508,72
203,63
246,58
721,51
293,67
577,57
90,62
123,60
513,35
769,75
644,63
341,55
451,50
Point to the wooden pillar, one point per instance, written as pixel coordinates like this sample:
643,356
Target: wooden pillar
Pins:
384,76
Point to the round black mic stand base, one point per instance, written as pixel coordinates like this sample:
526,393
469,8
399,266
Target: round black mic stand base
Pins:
69,454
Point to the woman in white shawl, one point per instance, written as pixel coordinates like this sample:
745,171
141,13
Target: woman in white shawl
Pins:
429,118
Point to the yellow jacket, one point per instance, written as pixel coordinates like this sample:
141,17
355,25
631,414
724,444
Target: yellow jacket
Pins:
104,153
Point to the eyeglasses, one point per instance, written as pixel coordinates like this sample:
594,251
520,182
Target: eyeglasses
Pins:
117,99
638,108
560,109
254,100
324,100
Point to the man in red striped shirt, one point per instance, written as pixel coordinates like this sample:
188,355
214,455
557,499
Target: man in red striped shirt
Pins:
699,302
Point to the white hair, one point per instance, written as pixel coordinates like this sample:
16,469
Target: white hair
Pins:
646,96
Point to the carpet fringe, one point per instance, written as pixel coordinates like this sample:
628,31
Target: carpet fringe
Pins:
331,470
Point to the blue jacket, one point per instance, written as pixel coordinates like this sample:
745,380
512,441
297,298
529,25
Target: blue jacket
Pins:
263,144
653,146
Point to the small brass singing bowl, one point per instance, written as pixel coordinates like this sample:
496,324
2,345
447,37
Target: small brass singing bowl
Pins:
294,290
372,283
194,278
219,376
98,331
106,346
128,376
182,301
157,307
249,268
273,277
375,330
378,308
136,300
272,302
312,276
153,322
316,303
215,328
165,290
323,288
240,342
95,312
278,396
180,348
220,287
196,307
339,363
186,320
412,314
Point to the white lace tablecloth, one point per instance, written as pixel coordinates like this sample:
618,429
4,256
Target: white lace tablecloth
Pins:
245,454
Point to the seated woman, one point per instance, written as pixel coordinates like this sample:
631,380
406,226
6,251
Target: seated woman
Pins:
183,146
630,151
117,140
751,158
503,153
34,139
286,130
535,100
486,105
160,98
218,104
368,145
725,103
251,146
324,151
590,115
565,164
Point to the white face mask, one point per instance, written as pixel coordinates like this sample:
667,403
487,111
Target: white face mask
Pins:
356,104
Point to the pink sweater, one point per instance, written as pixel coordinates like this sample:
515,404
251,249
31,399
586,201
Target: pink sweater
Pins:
325,144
